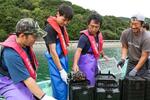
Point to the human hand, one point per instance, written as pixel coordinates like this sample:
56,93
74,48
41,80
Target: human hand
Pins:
106,58
75,68
133,72
121,63
46,97
63,75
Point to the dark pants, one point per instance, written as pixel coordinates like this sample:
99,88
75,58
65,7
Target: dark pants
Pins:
148,63
144,71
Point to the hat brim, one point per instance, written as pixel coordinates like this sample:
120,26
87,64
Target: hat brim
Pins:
41,32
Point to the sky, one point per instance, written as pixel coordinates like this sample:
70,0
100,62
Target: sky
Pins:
118,8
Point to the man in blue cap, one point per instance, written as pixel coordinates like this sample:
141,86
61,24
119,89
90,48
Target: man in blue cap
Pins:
135,44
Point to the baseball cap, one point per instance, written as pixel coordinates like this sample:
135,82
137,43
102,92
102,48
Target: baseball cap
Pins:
28,26
138,17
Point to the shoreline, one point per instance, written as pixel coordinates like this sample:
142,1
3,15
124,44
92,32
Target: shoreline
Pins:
39,45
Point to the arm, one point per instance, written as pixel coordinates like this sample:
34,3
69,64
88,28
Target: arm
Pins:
63,73
102,52
19,73
33,87
82,43
52,48
76,58
144,55
50,40
142,60
104,56
124,42
124,51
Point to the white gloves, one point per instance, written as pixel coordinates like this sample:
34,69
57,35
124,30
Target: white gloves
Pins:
63,75
46,97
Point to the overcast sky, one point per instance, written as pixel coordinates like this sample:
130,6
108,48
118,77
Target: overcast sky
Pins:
119,8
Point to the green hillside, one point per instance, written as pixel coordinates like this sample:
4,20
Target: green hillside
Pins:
13,10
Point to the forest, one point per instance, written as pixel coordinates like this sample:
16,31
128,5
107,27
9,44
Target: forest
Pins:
13,10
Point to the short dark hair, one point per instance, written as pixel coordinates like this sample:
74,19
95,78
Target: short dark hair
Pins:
146,26
95,16
66,11
18,33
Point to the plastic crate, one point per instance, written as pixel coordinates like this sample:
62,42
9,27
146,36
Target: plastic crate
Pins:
147,88
81,92
133,88
104,94
109,66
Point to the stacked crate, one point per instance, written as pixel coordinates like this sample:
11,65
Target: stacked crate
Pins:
80,90
106,87
147,88
133,88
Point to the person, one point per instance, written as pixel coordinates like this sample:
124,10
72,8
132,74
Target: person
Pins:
57,41
19,64
135,44
89,48
146,26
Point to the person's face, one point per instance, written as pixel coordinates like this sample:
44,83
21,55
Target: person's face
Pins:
28,40
61,20
93,27
135,26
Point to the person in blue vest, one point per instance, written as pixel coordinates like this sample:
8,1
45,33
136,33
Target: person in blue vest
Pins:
135,44
57,41
19,64
90,47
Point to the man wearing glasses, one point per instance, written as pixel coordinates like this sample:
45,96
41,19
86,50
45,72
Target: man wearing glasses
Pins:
89,48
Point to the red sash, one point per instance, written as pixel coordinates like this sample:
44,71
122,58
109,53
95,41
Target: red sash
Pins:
64,40
11,42
96,50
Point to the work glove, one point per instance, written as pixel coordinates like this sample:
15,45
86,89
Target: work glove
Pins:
121,63
63,75
133,72
46,97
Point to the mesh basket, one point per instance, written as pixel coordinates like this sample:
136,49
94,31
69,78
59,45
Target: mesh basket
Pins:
109,66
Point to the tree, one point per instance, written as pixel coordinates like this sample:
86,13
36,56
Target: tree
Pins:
13,10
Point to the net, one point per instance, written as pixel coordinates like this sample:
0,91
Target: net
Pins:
109,66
